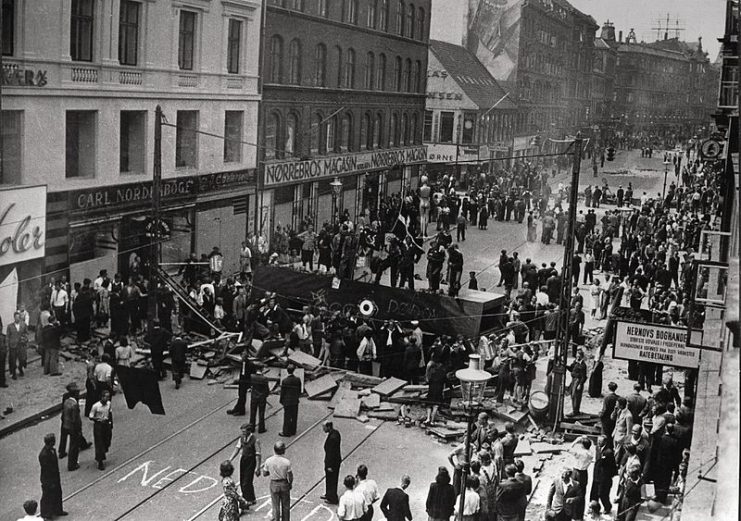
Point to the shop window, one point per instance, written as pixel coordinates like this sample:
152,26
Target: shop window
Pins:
233,46
346,143
12,139
8,27
369,70
292,128
383,16
447,120
377,129
276,59
132,153
186,139
272,131
427,127
81,30
320,65
381,72
128,32
233,124
469,127
186,40
80,143
294,62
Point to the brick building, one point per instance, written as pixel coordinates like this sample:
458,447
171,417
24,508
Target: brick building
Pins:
343,102
578,93
603,76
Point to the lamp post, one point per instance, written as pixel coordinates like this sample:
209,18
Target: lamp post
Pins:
666,171
336,189
473,381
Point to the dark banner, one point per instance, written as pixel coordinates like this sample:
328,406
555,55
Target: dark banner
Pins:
437,314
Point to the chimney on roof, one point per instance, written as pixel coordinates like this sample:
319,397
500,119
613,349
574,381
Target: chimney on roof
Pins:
620,37
608,32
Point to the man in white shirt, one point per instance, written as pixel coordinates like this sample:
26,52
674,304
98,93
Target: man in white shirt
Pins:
471,500
352,502
369,490
59,301
30,507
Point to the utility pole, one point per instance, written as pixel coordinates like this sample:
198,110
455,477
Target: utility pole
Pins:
558,375
155,235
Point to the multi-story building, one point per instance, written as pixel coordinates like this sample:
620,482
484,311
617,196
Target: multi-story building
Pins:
343,105
581,59
603,76
81,80
469,117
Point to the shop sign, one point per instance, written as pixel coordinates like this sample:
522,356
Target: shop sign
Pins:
446,153
287,172
164,230
134,194
22,224
15,77
226,180
445,95
655,344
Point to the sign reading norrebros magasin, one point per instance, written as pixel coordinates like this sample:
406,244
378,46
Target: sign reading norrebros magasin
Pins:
653,343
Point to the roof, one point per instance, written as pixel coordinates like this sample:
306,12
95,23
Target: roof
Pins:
600,43
471,75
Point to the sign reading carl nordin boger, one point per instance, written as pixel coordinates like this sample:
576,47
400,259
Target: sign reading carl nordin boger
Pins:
22,224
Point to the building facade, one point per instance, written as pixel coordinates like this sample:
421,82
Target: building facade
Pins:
578,93
343,102
603,76
469,120
81,80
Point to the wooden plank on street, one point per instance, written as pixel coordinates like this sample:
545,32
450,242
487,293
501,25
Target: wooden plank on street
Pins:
320,386
372,401
197,371
304,360
389,386
347,407
523,448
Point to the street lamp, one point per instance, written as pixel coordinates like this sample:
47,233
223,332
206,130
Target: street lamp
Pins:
473,381
666,171
336,189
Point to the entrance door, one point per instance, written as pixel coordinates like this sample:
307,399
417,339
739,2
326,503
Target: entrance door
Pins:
133,249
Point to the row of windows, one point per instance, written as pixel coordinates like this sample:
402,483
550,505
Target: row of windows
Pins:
82,32
81,146
410,20
336,133
407,75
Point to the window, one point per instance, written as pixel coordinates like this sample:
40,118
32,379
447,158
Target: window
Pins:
233,136
372,9
397,74
427,127
320,65
338,61
81,31
383,16
421,24
128,33
410,21
8,27
323,8
330,134
370,66
407,87
80,143
298,5
186,40
276,59
446,127
12,138
186,139
234,41
350,69
316,144
413,139
469,127
377,129
366,131
272,131
292,128
132,154
404,138
394,131
381,72
346,133
400,19
417,80
294,62
350,11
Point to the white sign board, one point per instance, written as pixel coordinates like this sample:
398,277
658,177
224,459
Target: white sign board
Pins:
656,344
22,224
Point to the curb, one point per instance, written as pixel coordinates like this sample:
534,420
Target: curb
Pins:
33,419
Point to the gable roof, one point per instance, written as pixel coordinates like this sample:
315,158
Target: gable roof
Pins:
471,75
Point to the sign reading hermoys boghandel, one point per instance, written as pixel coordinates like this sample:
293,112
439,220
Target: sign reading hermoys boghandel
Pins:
663,345
22,224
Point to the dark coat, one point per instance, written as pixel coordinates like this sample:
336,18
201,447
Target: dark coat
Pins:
178,348
51,486
440,500
395,505
509,497
332,450
290,390
260,387
71,419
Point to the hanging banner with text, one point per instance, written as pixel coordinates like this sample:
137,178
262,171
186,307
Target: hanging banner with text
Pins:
22,224
289,172
656,344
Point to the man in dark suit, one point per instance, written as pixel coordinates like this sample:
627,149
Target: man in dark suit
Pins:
259,399
527,486
509,494
157,339
51,485
178,351
290,390
332,460
395,502
564,497
71,426
245,375
605,415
